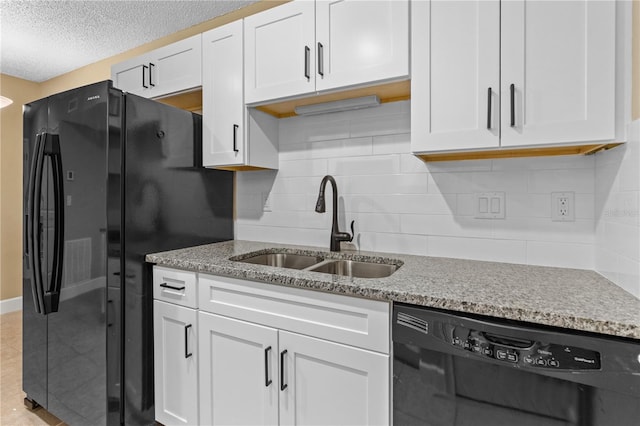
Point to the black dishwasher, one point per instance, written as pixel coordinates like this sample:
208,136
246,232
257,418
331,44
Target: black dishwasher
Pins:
461,369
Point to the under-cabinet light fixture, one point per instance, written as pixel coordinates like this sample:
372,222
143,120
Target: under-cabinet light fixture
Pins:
5,101
338,106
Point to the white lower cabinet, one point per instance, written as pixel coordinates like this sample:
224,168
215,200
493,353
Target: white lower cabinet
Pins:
249,373
271,355
238,369
327,383
175,331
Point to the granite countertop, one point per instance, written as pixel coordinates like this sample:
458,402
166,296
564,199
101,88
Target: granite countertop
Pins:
561,297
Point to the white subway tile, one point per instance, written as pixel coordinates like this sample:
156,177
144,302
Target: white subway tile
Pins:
377,164
381,125
628,275
376,222
445,225
315,167
412,164
385,184
283,235
342,148
451,183
578,180
567,255
392,243
528,205
508,251
507,181
543,229
392,144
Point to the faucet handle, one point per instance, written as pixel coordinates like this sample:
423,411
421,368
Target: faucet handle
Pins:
352,231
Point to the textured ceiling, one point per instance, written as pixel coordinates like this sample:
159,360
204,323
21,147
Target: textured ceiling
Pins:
43,39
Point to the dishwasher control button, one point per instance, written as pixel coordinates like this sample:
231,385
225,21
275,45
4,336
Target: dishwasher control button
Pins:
487,351
541,362
554,363
504,355
466,345
456,341
528,359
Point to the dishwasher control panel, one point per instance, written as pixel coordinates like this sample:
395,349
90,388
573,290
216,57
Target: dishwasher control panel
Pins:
526,353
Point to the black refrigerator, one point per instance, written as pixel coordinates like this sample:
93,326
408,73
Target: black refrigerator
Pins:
108,177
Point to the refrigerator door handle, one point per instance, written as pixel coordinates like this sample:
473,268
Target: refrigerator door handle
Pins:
52,296
34,230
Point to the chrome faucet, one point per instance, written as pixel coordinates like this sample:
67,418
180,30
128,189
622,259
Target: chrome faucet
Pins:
336,235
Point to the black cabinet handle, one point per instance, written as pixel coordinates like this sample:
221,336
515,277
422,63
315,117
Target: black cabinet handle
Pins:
187,354
307,56
489,108
267,380
512,95
320,59
151,67
235,138
165,285
144,67
283,385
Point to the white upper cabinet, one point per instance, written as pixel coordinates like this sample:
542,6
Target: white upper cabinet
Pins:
222,94
279,56
233,137
560,58
305,46
455,85
490,74
360,41
173,68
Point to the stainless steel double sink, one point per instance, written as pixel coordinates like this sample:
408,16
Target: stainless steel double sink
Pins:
361,268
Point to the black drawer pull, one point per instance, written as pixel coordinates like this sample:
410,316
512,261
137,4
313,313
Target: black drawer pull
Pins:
165,285
489,109
267,380
144,67
307,55
283,385
187,354
512,95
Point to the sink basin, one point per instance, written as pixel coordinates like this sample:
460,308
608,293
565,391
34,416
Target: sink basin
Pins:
284,260
352,268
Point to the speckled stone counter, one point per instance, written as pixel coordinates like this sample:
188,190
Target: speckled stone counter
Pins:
569,298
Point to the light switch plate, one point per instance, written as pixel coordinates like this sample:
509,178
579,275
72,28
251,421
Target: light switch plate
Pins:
490,205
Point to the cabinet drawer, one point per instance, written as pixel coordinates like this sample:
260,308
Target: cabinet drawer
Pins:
175,286
343,319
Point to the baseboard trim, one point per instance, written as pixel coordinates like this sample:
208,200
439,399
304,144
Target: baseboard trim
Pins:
10,305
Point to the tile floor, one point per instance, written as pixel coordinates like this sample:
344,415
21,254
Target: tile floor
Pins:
12,409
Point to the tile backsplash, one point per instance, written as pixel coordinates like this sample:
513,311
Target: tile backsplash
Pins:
617,212
401,204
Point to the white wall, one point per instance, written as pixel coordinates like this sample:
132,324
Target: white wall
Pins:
401,204
618,213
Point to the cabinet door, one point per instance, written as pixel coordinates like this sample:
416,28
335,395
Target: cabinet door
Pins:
238,372
176,67
329,383
560,58
361,42
175,364
222,96
280,52
131,76
455,86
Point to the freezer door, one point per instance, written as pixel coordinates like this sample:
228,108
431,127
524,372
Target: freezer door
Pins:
34,324
77,330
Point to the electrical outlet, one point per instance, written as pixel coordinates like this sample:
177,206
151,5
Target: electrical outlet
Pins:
563,206
266,201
